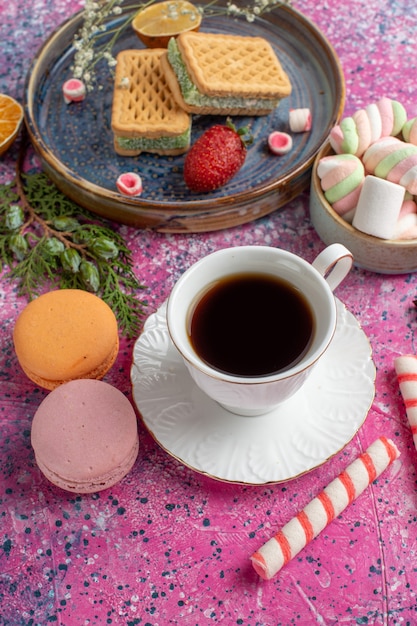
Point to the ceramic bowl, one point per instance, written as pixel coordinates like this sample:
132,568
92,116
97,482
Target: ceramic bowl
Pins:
384,256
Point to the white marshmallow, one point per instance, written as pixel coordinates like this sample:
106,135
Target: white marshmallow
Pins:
300,120
378,208
73,90
375,122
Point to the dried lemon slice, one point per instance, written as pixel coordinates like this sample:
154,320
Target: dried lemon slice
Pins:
156,24
11,115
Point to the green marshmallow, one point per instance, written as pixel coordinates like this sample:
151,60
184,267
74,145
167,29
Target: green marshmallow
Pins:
406,129
350,141
391,160
345,186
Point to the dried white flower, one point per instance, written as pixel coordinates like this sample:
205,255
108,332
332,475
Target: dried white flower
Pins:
125,82
89,49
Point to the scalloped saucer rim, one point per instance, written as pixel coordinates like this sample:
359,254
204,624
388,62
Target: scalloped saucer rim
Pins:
293,439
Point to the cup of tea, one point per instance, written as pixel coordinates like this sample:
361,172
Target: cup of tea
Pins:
251,322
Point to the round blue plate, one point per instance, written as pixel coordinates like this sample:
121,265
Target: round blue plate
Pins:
75,142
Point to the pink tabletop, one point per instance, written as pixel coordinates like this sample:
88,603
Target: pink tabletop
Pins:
167,544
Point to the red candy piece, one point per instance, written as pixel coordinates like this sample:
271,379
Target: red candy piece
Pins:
279,143
130,184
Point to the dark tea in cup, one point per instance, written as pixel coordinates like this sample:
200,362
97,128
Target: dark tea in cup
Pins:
251,324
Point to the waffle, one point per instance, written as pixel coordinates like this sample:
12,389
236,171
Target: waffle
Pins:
229,73
145,116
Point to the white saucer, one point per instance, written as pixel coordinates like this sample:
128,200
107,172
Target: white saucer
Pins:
294,438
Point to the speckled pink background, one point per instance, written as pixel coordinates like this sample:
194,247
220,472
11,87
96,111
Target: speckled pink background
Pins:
167,545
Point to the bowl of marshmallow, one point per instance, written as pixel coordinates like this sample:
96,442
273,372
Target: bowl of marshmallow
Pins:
364,188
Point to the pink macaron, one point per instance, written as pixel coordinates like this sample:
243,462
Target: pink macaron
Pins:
85,436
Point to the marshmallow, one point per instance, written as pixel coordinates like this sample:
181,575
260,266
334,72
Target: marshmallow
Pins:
378,150
130,184
409,131
356,133
406,227
279,143
341,178
73,90
393,160
324,508
300,120
378,207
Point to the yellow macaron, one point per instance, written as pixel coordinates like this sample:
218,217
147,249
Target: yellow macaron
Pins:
66,335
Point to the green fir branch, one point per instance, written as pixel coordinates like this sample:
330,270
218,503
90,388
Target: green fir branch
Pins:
49,242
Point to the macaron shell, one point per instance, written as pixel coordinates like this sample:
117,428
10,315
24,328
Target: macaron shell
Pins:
97,373
84,435
91,485
65,335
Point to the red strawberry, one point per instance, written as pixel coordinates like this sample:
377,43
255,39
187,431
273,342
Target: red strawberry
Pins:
215,157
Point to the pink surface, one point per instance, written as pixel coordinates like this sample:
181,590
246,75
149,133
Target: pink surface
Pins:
169,546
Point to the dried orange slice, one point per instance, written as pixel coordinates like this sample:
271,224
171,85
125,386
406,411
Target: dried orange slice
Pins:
157,23
11,115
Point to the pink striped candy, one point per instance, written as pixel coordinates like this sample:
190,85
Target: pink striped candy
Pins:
323,509
406,370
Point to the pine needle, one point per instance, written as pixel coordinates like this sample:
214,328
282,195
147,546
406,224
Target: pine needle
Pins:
49,242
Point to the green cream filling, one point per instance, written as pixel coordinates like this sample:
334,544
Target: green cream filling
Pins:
194,97
160,143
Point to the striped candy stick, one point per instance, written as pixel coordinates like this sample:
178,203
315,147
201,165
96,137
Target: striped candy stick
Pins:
320,511
406,369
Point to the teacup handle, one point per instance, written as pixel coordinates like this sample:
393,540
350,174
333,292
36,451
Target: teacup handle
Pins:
334,264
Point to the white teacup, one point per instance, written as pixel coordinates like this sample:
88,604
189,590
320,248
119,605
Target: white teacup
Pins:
254,395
